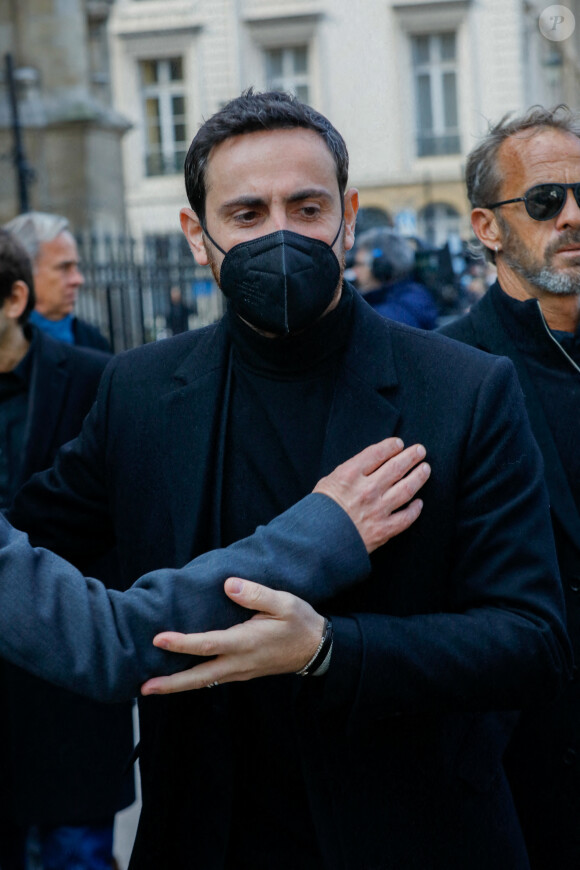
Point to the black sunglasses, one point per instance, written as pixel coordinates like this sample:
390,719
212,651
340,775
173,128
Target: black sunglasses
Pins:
544,201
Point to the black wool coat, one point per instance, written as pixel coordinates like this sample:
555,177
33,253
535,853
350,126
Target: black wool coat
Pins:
87,335
543,760
65,757
461,616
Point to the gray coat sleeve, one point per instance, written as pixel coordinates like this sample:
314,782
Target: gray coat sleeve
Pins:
74,632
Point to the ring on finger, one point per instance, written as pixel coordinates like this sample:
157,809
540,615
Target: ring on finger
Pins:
212,685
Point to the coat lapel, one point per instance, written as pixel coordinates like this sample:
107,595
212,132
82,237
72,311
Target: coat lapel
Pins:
48,390
362,411
192,412
191,415
492,336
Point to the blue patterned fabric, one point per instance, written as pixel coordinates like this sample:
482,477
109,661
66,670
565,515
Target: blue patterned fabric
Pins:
76,847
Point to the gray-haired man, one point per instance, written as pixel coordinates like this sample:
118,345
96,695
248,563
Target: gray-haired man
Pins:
52,248
523,181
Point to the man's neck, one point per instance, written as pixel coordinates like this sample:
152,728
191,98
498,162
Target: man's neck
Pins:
561,312
13,348
52,318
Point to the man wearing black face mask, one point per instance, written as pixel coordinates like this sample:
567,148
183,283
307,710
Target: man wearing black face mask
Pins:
370,742
280,283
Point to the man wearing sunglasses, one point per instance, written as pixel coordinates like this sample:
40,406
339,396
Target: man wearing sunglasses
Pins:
523,182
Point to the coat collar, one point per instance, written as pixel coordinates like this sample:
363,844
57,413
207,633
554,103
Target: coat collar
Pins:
364,409
191,415
363,412
492,336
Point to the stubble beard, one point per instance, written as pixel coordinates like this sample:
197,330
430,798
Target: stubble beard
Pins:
543,275
215,269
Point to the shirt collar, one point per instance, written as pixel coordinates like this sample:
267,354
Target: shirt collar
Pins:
525,323
61,330
24,368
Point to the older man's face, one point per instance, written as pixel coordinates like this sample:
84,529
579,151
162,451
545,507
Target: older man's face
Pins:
57,278
543,255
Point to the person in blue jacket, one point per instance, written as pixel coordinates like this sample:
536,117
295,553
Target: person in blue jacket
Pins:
383,265
52,248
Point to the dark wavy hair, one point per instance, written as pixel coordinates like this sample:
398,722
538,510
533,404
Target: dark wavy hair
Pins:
15,266
250,113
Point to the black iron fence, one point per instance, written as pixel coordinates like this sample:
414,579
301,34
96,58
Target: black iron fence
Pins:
129,287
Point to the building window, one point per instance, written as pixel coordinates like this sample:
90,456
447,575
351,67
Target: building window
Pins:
287,70
435,75
163,94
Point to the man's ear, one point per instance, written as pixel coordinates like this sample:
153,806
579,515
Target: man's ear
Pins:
350,212
14,304
486,228
193,232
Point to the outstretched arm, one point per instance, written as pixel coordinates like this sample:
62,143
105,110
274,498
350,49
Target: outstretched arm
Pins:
280,638
84,637
500,641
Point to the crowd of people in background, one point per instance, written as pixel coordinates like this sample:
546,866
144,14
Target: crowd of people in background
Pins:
410,281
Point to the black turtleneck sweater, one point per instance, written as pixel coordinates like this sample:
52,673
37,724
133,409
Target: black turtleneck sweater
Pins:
553,361
278,404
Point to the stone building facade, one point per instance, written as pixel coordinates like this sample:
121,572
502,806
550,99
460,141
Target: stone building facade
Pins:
410,83
71,133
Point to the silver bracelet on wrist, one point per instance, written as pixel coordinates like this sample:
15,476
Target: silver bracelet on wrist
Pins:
320,661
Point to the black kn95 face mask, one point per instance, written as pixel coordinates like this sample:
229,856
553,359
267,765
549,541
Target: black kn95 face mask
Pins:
282,282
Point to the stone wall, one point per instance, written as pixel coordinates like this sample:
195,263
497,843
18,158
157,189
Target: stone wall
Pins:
71,134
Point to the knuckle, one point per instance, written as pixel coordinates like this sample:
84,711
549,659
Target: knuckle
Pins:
404,518
366,497
410,486
286,605
402,464
207,647
293,607
373,490
254,593
344,477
